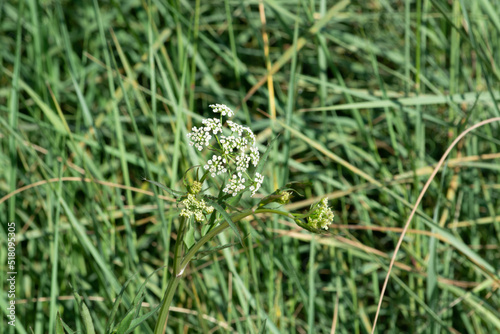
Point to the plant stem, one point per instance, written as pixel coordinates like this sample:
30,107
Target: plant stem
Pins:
161,324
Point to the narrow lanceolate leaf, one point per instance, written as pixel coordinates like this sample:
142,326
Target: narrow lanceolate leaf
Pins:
189,239
84,314
59,325
167,189
262,328
60,322
212,250
264,157
116,304
138,321
125,323
227,217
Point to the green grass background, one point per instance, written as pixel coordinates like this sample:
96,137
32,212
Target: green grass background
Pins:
366,97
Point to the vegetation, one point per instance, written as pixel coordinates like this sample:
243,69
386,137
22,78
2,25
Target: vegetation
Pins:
361,98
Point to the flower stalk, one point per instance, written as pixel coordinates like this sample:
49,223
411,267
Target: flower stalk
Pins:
179,269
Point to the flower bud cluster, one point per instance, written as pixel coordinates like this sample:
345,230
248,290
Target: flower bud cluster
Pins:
321,216
285,197
195,207
195,187
232,156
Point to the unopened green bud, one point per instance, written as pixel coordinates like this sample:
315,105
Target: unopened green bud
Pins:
285,197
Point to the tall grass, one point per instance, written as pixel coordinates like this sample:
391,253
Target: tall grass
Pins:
366,97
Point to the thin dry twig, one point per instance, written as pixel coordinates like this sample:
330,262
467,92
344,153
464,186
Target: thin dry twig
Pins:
417,203
335,314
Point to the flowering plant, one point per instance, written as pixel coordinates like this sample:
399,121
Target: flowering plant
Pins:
234,157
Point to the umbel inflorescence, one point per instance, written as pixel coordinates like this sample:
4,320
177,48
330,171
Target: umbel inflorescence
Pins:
321,215
233,153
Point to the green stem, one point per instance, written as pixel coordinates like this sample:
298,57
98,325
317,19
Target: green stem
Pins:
179,245
161,324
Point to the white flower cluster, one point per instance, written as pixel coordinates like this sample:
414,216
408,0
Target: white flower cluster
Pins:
321,216
223,109
232,155
235,184
212,124
216,165
199,138
196,208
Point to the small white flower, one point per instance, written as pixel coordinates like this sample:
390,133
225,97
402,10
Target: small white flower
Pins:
235,127
259,178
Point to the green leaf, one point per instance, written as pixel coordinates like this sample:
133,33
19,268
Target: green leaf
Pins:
116,304
138,321
189,236
264,157
234,200
185,174
59,325
60,322
262,328
84,314
126,321
202,254
206,227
